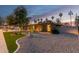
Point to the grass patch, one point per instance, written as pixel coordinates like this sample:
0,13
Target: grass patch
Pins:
11,40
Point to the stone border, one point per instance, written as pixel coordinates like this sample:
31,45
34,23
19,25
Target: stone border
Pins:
19,44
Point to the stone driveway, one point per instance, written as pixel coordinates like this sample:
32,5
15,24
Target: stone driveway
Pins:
3,47
49,43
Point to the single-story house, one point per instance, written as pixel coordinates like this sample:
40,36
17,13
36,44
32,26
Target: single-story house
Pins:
41,27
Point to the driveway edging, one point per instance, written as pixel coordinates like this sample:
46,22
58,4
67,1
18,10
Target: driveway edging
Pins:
18,44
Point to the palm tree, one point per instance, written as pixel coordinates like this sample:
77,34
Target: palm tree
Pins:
41,20
60,14
52,17
77,22
70,14
46,20
76,18
38,20
58,21
35,21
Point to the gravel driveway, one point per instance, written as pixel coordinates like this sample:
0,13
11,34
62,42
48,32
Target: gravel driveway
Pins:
49,43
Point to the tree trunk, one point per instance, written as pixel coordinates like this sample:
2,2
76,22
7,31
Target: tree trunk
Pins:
71,20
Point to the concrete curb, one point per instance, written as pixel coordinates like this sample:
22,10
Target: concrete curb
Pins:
3,45
18,46
18,43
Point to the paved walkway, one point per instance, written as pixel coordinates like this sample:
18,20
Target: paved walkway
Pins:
3,47
46,43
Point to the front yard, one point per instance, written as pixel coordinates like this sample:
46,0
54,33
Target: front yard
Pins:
10,39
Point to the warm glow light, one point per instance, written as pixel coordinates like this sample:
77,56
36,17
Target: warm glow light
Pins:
48,28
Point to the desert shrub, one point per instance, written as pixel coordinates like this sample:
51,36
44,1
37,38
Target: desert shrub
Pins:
56,29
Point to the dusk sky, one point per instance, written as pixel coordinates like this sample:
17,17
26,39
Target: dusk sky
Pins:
32,9
41,10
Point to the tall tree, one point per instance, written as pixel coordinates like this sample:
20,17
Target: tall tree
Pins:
70,14
77,22
21,16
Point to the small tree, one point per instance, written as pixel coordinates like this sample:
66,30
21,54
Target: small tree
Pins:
11,20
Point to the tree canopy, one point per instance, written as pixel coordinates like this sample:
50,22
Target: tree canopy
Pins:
18,17
20,14
11,20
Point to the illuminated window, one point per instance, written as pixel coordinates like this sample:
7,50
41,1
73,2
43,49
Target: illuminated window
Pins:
48,28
